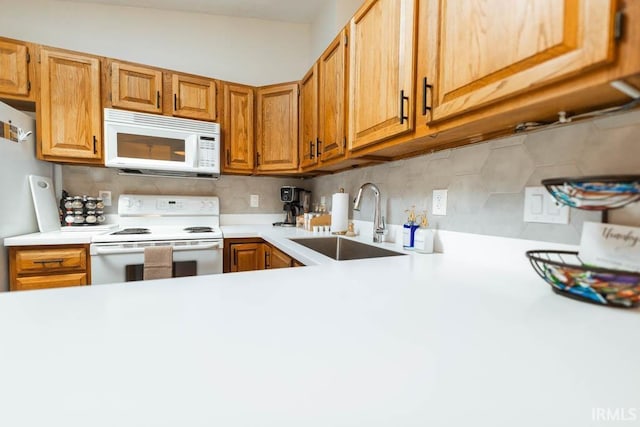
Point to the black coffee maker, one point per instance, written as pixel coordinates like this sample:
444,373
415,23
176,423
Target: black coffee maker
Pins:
291,197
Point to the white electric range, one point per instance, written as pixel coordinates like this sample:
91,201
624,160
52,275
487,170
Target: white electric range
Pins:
190,224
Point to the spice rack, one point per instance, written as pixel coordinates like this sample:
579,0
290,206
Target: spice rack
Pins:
563,270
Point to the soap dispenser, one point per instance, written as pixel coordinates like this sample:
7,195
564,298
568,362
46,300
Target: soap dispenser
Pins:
409,229
423,239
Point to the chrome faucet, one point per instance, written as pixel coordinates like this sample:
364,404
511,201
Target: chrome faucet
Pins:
378,220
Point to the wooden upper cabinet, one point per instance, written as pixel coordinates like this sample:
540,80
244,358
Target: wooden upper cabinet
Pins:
277,137
194,97
14,68
485,51
135,87
381,71
70,112
309,141
238,135
331,104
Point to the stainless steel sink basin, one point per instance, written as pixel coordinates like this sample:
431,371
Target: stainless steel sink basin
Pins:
344,249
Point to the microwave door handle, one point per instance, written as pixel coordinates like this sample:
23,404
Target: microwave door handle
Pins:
111,250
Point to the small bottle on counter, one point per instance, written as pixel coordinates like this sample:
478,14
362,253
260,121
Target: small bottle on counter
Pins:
423,239
409,229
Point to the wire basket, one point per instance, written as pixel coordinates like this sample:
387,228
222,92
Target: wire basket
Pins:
569,277
595,193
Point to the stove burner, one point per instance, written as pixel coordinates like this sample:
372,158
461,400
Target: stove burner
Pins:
198,230
133,231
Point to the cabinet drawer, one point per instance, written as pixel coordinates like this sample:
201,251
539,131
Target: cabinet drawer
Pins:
53,281
50,260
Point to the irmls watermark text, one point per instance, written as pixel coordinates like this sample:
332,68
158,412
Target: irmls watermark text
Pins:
615,414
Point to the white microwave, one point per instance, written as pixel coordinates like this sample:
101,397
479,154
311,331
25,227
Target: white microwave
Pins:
143,143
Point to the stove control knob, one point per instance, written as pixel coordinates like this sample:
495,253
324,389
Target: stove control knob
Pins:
138,203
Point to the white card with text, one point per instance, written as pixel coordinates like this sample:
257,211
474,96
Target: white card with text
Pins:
610,246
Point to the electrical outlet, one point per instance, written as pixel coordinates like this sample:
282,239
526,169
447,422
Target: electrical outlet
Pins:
254,200
105,196
540,206
439,202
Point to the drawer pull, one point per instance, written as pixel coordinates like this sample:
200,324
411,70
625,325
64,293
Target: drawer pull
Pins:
49,261
402,99
425,87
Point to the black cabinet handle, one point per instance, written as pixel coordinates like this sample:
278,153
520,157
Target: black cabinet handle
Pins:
175,102
49,261
267,264
257,159
311,150
228,157
402,99
318,142
158,99
425,87
95,145
235,257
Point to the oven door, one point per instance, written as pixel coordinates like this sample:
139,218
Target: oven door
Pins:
124,262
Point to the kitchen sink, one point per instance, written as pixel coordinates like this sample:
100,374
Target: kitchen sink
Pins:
344,249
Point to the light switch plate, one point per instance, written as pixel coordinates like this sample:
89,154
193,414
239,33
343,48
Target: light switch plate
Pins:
540,206
439,202
254,201
105,196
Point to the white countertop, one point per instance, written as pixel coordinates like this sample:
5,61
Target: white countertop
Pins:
468,337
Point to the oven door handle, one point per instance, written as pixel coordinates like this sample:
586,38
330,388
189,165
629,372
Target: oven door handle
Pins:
110,250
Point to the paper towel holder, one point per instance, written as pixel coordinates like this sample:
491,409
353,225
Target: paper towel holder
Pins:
341,232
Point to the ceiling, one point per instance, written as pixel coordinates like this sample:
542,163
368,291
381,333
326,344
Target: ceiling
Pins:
298,11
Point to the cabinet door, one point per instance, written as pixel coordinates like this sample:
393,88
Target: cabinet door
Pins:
278,259
247,257
277,139
46,282
70,116
238,139
489,50
41,260
136,88
194,97
14,68
309,142
381,71
331,106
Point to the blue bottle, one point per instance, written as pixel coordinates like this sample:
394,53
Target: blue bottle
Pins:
409,229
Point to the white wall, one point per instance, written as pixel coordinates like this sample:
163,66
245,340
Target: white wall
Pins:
249,51
332,18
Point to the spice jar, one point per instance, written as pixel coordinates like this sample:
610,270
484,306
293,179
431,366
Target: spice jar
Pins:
90,203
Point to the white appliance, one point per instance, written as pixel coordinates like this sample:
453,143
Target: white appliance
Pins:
159,145
17,162
191,225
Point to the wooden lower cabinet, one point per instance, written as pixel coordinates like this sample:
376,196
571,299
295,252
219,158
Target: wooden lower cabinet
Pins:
246,257
53,281
250,254
275,258
42,267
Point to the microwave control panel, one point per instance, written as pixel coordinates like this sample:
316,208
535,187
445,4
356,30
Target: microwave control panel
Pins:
207,151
